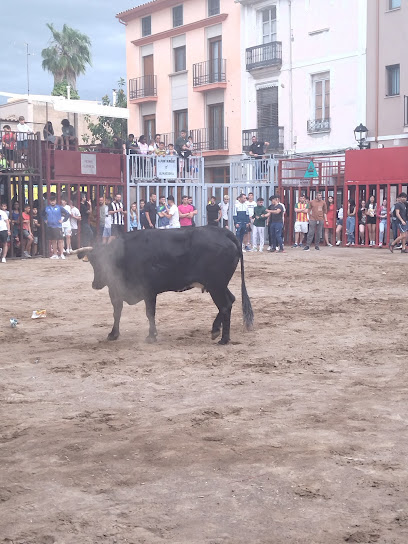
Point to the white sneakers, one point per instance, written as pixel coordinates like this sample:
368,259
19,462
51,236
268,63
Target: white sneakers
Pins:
26,254
54,257
62,257
338,242
3,260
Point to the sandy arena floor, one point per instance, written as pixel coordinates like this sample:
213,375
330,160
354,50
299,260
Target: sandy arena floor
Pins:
294,433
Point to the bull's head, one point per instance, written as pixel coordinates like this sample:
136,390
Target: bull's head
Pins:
99,259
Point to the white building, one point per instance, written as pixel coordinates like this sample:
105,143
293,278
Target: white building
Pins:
304,87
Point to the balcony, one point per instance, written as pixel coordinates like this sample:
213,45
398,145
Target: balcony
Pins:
318,126
405,111
143,89
209,75
263,56
274,135
209,140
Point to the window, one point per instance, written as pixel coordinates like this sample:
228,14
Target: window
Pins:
393,80
267,107
269,25
213,7
146,25
321,96
394,4
180,122
179,58
178,16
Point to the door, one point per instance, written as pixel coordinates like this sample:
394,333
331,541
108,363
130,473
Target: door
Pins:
267,116
216,126
148,73
215,62
149,126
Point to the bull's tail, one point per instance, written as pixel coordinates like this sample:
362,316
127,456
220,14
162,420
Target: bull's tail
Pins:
247,312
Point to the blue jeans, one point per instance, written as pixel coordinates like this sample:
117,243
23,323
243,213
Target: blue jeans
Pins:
241,230
351,229
275,235
383,230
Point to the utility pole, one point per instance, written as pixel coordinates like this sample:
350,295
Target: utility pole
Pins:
28,71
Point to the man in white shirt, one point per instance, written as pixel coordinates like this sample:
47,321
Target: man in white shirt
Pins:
66,226
251,206
4,234
224,207
75,217
173,214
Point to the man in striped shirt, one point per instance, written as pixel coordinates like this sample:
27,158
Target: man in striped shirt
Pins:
301,220
117,214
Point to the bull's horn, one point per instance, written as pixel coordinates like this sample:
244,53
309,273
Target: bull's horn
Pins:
76,251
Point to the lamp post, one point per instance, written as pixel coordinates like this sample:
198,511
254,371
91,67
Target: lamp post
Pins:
360,134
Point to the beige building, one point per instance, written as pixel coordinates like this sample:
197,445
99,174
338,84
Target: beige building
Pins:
184,72
387,73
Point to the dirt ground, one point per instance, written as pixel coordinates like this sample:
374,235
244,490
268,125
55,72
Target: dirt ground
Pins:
294,433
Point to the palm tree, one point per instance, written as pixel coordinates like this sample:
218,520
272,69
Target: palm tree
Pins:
67,56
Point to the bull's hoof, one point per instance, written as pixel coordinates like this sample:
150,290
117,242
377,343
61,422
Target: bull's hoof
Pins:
151,339
113,336
223,341
215,334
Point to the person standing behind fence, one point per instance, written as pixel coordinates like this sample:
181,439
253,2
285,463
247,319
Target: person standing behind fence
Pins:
224,207
351,223
186,212
317,219
133,217
66,226
172,213
22,135
258,234
163,221
383,216
371,219
275,224
86,231
117,214
401,215
301,220
241,218
75,217
5,233
213,213
151,212
54,215
257,150
328,227
195,212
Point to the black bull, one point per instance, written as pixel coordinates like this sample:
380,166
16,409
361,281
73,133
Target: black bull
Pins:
145,263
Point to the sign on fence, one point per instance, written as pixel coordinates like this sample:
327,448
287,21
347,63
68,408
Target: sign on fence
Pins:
88,164
166,167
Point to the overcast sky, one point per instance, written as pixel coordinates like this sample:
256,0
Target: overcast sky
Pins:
26,22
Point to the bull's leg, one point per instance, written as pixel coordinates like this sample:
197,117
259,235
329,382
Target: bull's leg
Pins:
151,313
216,327
117,312
223,299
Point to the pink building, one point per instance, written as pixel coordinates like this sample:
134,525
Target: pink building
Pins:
184,73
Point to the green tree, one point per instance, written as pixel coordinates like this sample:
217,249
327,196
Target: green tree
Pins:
60,89
107,127
67,56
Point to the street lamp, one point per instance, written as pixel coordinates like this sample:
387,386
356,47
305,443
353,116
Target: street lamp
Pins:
360,134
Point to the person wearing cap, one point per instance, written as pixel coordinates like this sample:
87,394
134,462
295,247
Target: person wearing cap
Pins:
258,232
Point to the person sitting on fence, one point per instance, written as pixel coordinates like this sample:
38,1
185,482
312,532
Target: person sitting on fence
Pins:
69,140
9,142
28,237
48,133
22,135
241,218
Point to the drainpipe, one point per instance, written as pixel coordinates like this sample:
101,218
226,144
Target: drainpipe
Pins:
290,77
377,70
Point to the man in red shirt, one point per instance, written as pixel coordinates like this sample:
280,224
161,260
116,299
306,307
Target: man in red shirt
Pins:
186,212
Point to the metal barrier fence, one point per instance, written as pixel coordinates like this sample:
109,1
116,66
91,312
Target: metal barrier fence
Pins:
169,168
254,170
19,151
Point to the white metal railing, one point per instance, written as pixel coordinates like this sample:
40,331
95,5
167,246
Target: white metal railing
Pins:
169,168
254,170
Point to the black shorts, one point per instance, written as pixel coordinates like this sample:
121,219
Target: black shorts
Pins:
9,154
371,220
3,236
225,223
118,230
54,233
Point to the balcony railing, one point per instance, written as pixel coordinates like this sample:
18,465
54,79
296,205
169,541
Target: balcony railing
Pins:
273,135
208,72
210,139
405,111
142,87
20,151
318,125
261,56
